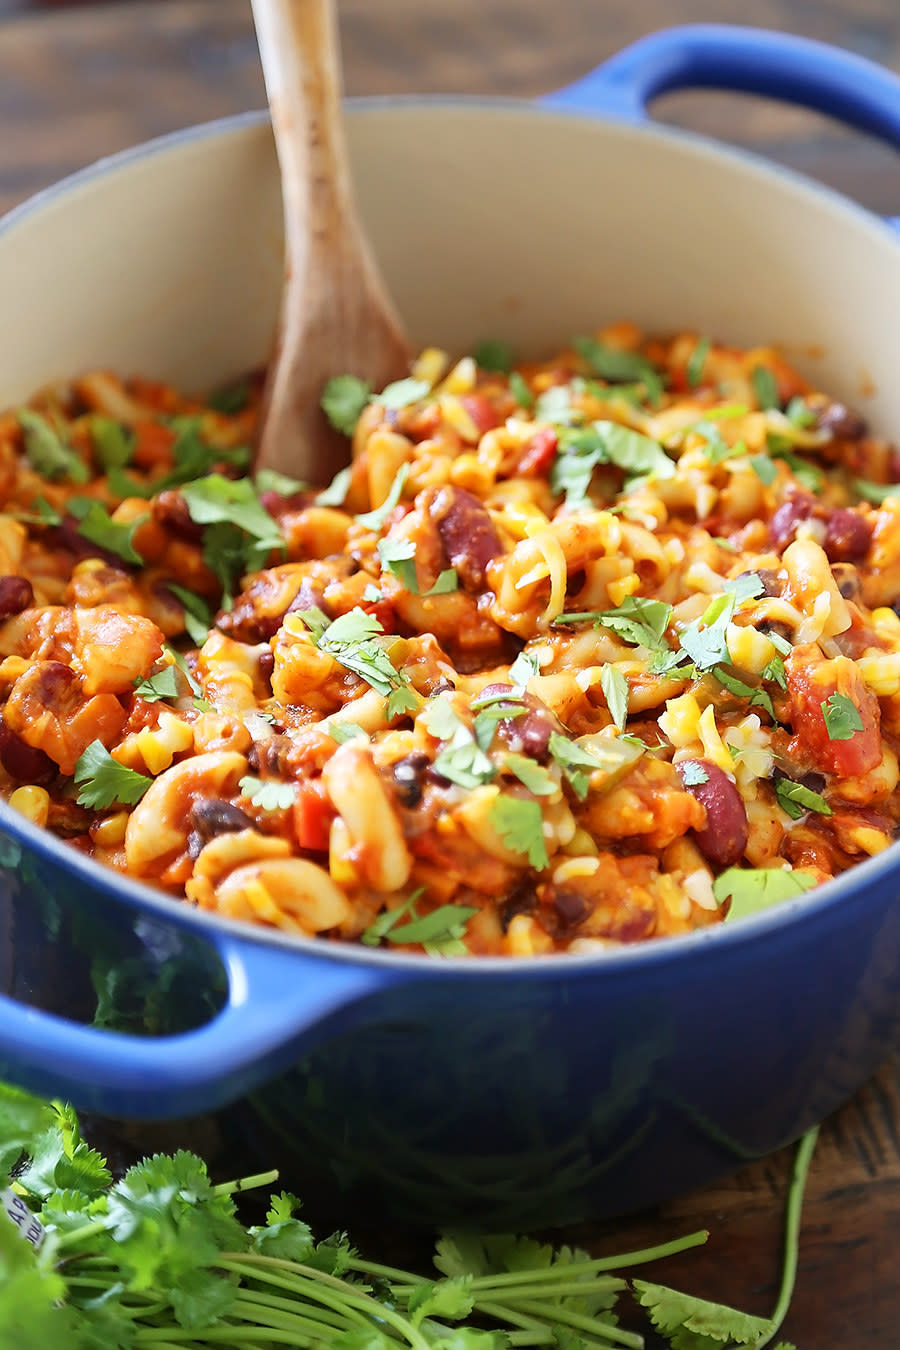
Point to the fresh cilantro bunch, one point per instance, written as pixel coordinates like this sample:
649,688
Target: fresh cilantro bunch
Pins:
161,1258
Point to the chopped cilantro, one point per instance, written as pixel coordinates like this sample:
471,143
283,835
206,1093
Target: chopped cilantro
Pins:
757,698
765,387
704,639
47,452
618,365
582,450
113,443
230,398
764,468
615,691
162,685
485,723
518,387
637,620
774,670
341,731
104,781
754,888
354,640
99,528
796,799
800,413
373,520
270,480
523,668
446,582
808,475
842,717
576,762
239,535
534,776
269,794
875,492
692,773
555,405
519,823
441,926
398,557
494,355
342,401
696,362
465,764
336,490
197,616
402,393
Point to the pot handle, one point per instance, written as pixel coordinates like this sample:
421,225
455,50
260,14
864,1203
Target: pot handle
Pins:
275,998
751,60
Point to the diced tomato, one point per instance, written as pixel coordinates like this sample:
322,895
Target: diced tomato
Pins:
812,680
383,611
153,445
313,814
481,411
539,453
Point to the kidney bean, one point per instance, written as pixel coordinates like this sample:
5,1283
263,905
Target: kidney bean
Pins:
15,595
773,582
783,525
467,533
170,509
841,421
724,837
571,908
528,733
22,761
847,535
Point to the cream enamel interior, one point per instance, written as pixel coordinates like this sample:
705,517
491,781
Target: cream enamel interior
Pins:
489,220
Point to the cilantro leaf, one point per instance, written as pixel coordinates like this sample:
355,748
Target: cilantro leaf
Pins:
696,362
113,443
618,365
342,401
523,668
447,582
448,921
807,474
494,355
615,691
197,617
398,557
162,685
796,799
47,452
692,773
269,794
402,393
764,468
353,639
757,698
520,825
638,620
578,761
374,519
270,480
582,450
751,889
99,528
671,1312
216,499
842,719
518,387
336,491
465,764
875,492
765,387
533,775
104,781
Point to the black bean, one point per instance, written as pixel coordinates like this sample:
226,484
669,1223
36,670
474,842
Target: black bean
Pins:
841,421
408,774
211,816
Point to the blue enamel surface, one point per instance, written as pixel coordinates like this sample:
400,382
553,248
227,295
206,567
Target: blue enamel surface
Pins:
517,1093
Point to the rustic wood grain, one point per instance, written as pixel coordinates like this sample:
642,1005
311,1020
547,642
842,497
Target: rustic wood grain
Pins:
80,82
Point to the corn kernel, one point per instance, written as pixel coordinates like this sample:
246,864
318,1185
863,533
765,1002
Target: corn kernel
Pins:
430,365
33,803
461,379
619,591
457,415
110,831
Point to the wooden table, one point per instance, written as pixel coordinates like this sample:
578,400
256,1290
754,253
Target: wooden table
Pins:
76,84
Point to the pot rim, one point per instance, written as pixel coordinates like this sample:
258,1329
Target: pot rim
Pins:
142,896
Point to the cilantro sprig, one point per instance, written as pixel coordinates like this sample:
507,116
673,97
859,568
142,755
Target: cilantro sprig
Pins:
103,781
356,641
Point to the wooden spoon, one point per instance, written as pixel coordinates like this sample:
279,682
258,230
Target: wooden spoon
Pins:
336,315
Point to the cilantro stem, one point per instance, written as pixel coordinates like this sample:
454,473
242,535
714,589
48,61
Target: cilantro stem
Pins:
323,1288
793,1211
545,1315
596,1266
246,1183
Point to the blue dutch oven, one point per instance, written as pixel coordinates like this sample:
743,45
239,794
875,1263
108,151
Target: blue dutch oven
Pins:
494,1092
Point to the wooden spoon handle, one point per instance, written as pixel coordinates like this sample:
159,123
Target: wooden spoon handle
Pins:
336,315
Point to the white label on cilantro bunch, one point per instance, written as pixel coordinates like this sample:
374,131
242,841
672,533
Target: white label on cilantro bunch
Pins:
29,1227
